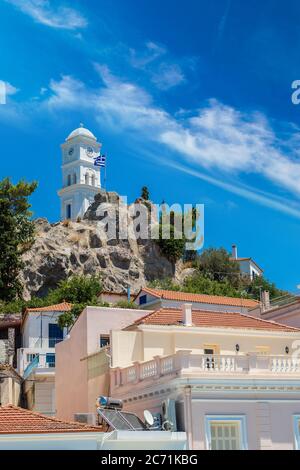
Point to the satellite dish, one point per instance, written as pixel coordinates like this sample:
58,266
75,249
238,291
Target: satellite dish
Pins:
149,420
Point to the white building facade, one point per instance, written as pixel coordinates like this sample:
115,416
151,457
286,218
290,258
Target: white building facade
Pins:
36,359
81,178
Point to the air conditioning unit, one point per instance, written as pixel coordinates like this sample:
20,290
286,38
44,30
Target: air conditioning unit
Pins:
86,418
169,415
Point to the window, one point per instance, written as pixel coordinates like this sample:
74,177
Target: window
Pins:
297,431
69,180
210,360
74,178
50,360
69,211
226,433
56,334
104,341
143,299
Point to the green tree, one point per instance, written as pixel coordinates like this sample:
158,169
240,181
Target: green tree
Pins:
80,291
199,284
76,290
260,284
166,283
16,234
145,193
215,264
126,304
172,245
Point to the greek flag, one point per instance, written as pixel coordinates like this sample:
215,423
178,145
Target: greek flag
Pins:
100,161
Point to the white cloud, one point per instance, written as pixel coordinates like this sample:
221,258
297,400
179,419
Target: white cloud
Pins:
168,76
43,11
10,89
152,52
223,141
164,74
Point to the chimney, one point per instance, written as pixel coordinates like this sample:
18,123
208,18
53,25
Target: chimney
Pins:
187,314
265,300
234,252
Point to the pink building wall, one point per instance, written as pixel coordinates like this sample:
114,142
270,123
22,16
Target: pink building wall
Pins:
75,393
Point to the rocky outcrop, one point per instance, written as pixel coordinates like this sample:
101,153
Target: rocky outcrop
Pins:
67,248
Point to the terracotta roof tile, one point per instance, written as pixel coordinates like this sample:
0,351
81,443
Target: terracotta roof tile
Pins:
63,307
200,298
212,319
15,420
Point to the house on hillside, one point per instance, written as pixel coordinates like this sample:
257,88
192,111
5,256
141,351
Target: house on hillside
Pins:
153,299
247,266
229,380
36,357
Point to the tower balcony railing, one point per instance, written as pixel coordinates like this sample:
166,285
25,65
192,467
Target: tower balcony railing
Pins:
184,363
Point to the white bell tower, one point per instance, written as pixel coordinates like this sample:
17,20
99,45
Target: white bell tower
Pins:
81,178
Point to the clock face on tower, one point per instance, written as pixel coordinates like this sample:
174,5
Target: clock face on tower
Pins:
90,151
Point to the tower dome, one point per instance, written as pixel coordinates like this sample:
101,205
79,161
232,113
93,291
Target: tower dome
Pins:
82,132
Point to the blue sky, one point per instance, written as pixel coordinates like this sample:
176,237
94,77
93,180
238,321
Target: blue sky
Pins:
191,98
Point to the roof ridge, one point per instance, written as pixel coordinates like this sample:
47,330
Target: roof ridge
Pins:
270,321
161,293
211,318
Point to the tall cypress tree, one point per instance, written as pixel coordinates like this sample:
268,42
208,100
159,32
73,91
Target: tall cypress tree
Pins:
16,234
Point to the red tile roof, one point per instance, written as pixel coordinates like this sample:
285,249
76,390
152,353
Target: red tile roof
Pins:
15,420
211,319
63,307
200,298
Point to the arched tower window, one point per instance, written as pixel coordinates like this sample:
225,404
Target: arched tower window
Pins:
69,180
86,178
74,178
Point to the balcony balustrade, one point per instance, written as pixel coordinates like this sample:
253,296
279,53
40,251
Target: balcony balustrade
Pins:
186,364
41,361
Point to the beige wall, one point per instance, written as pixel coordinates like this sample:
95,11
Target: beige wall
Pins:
144,345
76,389
127,347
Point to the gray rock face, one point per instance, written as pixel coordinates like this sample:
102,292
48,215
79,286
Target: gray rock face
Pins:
67,248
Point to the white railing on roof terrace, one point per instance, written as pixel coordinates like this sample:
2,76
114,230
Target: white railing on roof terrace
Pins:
184,363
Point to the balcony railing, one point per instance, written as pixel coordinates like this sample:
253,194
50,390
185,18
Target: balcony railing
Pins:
186,364
41,361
